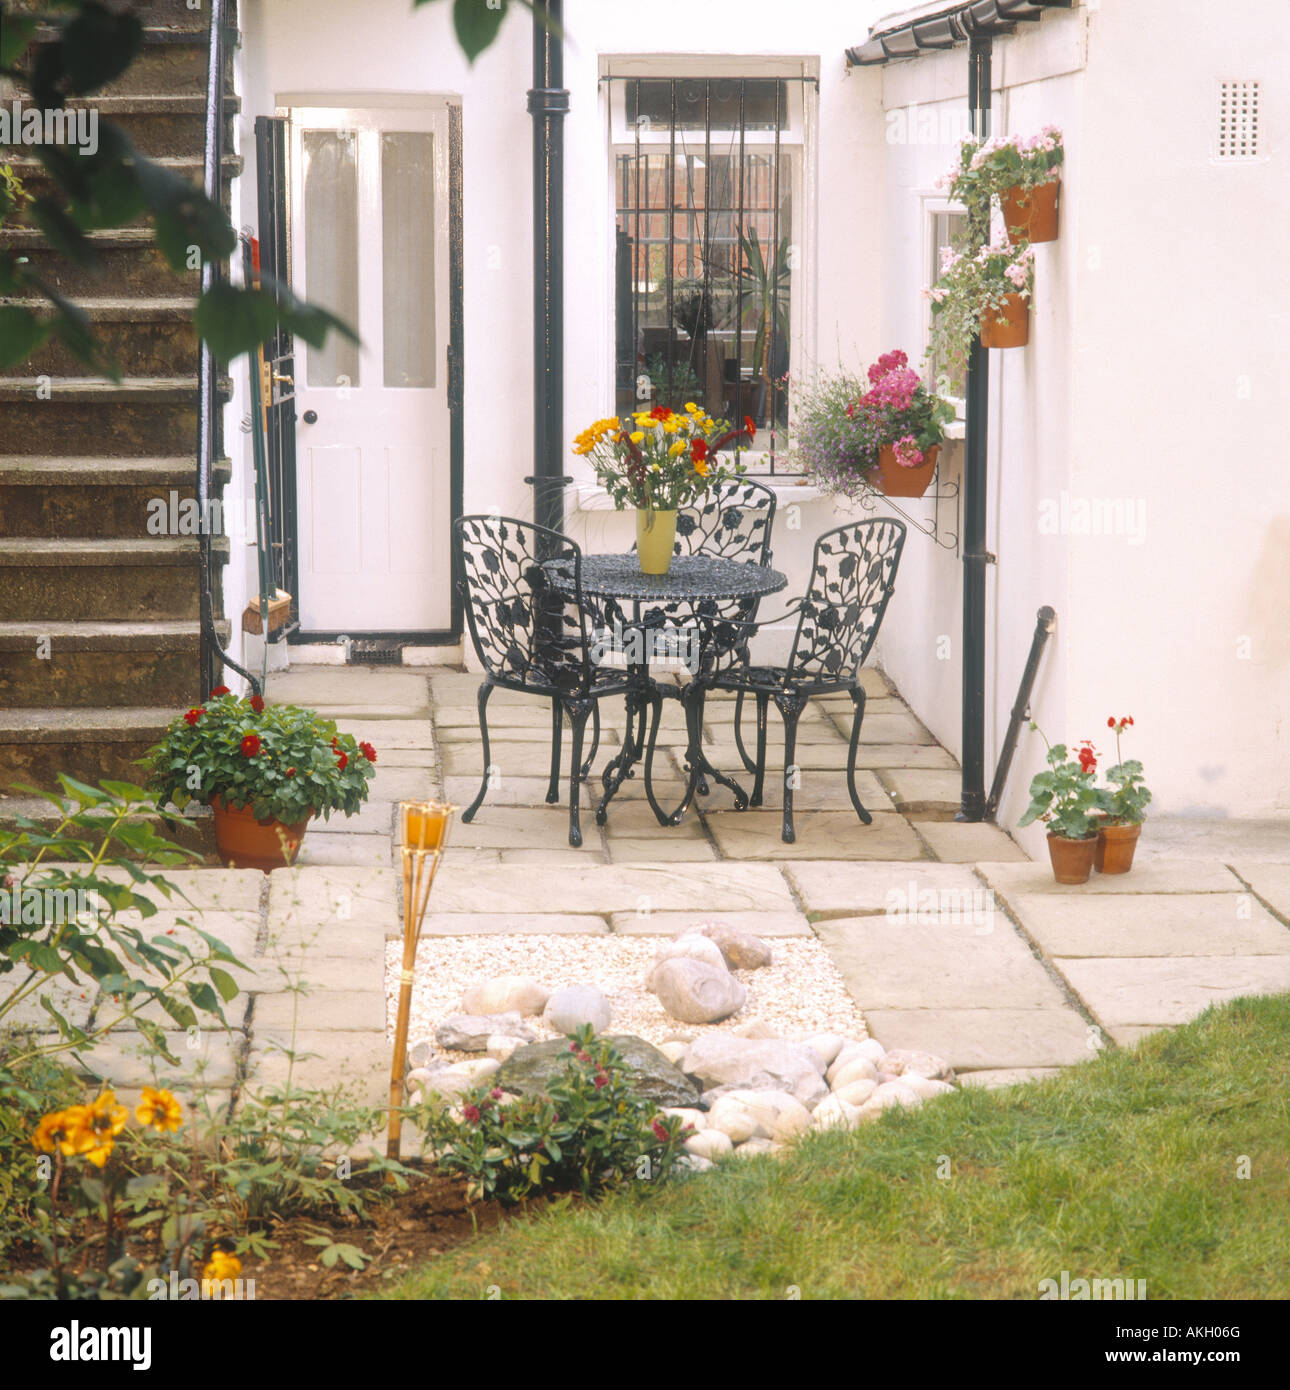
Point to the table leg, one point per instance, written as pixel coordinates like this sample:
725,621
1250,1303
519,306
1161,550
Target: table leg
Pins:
623,764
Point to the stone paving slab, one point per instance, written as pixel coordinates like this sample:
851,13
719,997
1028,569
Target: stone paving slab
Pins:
74,1002
531,791
1177,924
124,1059
323,905
323,1060
510,759
821,757
403,784
820,791
374,817
613,888
891,962
539,732
844,887
1007,1076
237,930
986,1039
1162,876
326,1011
511,924
752,835
916,755
344,850
1156,990
922,789
969,842
670,851
227,890
767,924
1270,881
385,735
348,685
513,827
362,967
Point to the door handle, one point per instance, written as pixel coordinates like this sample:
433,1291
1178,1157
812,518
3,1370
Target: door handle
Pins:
311,417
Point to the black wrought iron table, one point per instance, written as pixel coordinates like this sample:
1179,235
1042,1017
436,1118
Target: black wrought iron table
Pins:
657,628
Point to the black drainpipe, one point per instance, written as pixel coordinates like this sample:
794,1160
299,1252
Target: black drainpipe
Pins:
975,555
547,104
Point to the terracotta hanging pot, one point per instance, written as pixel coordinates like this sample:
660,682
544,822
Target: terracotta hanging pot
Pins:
655,539
1115,847
243,842
1072,860
895,480
1030,214
1009,327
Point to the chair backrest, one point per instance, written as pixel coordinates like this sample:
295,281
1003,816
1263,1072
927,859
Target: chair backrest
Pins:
733,521
527,633
853,572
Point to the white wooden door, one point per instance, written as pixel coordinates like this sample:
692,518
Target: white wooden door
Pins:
370,242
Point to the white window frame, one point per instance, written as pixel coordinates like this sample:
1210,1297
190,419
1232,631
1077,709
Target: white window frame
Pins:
929,206
803,123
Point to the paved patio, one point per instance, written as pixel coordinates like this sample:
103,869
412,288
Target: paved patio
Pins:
946,936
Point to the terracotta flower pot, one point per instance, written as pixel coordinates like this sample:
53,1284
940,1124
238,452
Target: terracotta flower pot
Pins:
1008,328
1072,859
655,539
895,480
243,842
1030,214
1115,847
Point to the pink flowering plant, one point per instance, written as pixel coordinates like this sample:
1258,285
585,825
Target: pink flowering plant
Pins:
1000,162
590,1129
972,285
843,423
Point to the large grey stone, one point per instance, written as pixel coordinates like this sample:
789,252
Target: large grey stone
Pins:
723,1063
575,1006
506,994
740,950
471,1032
696,992
530,1070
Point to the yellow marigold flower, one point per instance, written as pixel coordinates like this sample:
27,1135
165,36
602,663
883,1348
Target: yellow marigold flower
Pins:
99,1150
678,447
701,467
691,408
221,1266
66,1130
637,437
107,1116
49,1132
159,1109
670,426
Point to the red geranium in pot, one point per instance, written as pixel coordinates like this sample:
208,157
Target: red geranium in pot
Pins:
1066,800
1123,803
266,771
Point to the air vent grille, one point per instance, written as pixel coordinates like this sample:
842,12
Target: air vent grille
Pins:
1238,120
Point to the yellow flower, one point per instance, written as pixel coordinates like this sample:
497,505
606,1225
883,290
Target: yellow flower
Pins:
678,447
108,1116
691,408
670,426
637,437
701,467
160,1109
221,1266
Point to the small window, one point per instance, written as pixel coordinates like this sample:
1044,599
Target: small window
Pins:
1238,120
946,230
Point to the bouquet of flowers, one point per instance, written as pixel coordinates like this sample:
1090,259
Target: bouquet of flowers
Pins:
843,423
660,459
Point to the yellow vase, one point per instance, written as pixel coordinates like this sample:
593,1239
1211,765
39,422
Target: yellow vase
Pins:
655,537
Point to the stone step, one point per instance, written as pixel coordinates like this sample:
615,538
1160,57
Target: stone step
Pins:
88,744
171,60
138,417
103,664
158,125
155,14
128,264
94,498
36,180
143,336
101,580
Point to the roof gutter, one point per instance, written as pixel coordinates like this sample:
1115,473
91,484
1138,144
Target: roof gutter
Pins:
954,24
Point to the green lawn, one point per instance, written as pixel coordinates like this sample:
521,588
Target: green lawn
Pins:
1125,1167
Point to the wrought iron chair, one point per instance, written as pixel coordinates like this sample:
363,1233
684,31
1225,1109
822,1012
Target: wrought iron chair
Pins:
529,636
853,574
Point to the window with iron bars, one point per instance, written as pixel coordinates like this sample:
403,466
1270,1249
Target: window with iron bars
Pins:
707,171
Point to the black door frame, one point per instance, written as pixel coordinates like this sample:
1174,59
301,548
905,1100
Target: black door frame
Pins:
274,212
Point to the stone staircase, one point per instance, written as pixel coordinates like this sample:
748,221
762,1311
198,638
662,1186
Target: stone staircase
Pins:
99,634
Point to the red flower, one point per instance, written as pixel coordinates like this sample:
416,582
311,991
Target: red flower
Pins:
1110,723
257,704
367,751
291,772
601,1080
750,429
573,1047
497,1093
698,450
660,1131
219,690
250,746
194,715
471,1113
660,412
342,759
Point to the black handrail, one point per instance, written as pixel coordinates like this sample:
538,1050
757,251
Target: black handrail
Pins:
1045,620
208,380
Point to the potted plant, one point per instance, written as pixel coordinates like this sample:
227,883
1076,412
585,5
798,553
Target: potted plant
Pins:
884,433
265,770
1066,800
983,293
657,461
1025,174
1123,803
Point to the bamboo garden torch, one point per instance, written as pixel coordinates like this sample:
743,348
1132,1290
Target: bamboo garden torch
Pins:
425,834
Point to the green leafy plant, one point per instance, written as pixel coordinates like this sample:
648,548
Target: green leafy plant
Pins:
974,284
283,761
991,166
770,276
590,1131
675,383
27,1093
61,890
1064,797
1126,797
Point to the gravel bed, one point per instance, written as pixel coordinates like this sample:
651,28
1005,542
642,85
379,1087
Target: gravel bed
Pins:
799,992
